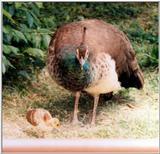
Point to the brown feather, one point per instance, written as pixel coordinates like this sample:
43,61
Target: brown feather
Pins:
101,37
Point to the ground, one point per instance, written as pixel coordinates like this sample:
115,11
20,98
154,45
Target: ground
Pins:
130,113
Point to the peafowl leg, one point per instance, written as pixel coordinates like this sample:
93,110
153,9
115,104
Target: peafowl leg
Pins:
96,99
75,117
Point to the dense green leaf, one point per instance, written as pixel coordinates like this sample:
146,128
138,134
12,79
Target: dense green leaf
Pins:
36,40
3,68
7,49
28,36
24,74
29,19
45,41
18,5
37,22
5,64
8,15
39,4
18,36
44,31
35,9
35,52
6,29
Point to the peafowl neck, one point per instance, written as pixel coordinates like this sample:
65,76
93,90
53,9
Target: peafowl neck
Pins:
70,74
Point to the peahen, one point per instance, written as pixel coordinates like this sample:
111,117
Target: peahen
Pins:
95,57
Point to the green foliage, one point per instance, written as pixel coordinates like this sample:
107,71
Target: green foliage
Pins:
28,26
145,43
8,49
34,52
25,41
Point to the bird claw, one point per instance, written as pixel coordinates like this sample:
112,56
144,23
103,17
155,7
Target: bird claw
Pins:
92,124
76,122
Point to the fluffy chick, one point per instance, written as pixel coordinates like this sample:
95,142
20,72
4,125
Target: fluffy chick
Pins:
42,118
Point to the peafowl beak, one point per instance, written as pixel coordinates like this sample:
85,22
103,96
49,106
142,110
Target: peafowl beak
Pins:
82,56
54,122
82,62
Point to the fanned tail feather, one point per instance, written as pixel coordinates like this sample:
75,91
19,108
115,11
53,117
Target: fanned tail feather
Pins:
134,79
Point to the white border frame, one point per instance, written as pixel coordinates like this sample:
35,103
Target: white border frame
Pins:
99,145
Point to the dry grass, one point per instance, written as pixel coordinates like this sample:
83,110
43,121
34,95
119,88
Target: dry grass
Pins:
130,114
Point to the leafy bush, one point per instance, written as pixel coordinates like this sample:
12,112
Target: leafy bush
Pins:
28,26
145,43
25,41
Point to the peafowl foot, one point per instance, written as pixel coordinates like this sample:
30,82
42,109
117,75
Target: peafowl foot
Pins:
92,124
76,122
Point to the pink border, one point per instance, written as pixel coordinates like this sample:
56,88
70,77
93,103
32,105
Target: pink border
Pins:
81,145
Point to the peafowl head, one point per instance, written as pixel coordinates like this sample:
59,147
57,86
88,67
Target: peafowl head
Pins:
82,52
73,65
